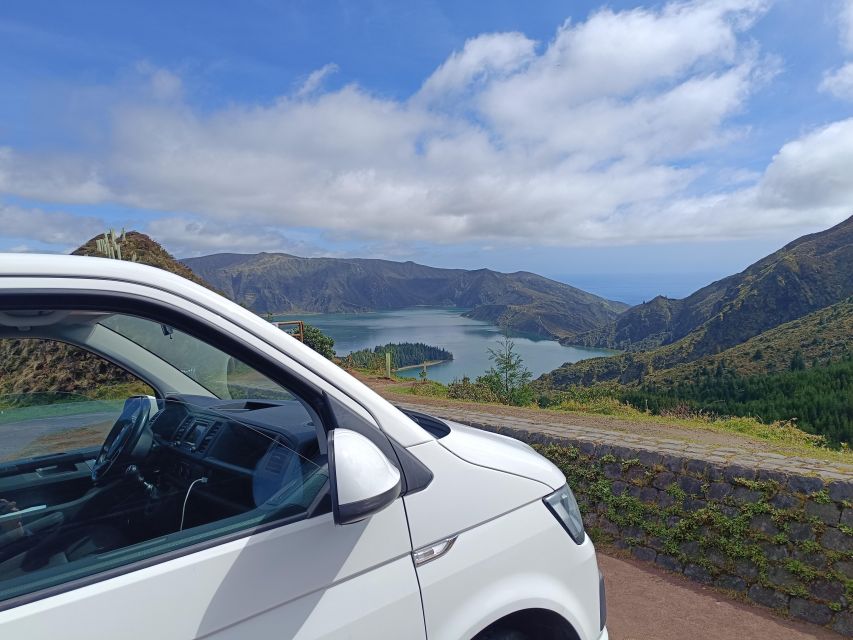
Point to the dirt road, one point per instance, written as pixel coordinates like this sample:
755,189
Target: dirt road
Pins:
645,603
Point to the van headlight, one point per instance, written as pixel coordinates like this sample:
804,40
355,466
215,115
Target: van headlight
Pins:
565,508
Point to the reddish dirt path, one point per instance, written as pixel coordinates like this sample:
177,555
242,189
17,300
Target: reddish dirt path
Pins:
645,603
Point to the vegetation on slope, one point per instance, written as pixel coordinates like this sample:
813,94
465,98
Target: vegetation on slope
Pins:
403,354
601,401
146,251
819,398
821,337
810,273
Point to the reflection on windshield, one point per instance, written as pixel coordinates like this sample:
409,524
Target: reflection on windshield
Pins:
224,376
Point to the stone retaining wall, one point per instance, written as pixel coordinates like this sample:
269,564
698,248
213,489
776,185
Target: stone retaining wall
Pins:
783,540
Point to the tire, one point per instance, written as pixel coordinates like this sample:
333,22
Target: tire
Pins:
504,634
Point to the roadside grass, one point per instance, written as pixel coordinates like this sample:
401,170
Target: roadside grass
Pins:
786,437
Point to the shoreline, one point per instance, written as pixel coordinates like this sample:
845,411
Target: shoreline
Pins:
428,363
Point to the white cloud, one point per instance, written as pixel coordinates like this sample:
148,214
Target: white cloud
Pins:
839,82
315,80
845,24
596,136
58,178
186,237
482,58
49,227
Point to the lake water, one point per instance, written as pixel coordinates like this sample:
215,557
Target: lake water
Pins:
467,339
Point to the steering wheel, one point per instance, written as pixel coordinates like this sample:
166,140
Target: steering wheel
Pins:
128,439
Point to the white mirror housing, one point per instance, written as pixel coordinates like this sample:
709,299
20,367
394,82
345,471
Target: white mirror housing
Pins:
363,480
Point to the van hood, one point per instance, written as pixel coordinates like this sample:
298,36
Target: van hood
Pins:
501,453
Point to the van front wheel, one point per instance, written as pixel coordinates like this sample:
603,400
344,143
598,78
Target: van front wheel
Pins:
504,634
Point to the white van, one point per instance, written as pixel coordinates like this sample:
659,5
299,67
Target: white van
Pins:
208,476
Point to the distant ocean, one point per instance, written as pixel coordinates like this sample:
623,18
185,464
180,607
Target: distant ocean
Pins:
638,288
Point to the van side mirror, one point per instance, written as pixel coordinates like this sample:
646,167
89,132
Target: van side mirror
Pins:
363,480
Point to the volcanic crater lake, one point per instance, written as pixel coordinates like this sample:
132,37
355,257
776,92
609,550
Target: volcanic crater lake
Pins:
468,340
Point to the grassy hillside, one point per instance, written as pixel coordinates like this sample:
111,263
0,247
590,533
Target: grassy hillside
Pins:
810,273
820,337
524,301
819,398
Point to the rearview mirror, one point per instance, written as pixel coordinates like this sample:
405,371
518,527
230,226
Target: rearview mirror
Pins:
363,480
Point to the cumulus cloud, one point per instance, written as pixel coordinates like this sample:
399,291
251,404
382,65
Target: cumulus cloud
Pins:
187,237
49,227
482,58
839,82
591,137
315,80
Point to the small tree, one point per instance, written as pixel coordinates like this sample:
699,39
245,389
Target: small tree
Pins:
423,374
508,377
319,341
798,363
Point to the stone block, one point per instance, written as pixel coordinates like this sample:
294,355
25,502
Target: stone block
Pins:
649,458
690,548
805,484
698,573
587,448
768,597
810,611
764,524
800,531
841,490
772,475
670,563
717,558
663,479
612,470
781,577
719,490
623,453
697,467
829,590
744,495
644,553
746,569
813,558
774,551
617,487
731,583
843,624
673,463
836,540
650,495
694,504
689,485
828,513
783,500
636,474
665,500
729,511
733,471
846,518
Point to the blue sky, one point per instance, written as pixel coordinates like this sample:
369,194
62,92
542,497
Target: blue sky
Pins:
653,145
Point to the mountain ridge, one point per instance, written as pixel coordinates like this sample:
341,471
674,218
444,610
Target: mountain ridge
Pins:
808,273
283,283
811,273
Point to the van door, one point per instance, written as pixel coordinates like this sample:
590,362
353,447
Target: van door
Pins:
219,528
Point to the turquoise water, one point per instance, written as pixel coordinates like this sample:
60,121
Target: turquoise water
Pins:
468,340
